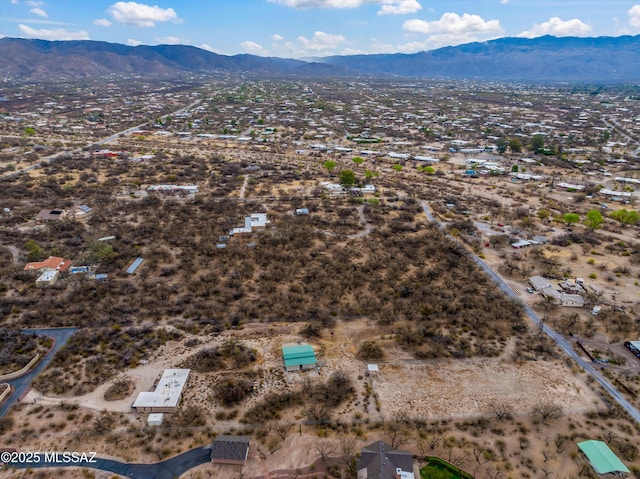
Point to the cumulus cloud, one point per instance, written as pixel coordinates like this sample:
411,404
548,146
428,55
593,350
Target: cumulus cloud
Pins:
321,41
254,48
634,16
141,15
399,7
209,48
102,22
277,38
452,23
559,28
450,29
55,34
388,7
39,11
133,42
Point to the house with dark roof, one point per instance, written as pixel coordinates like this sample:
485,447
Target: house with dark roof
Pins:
50,215
230,449
381,461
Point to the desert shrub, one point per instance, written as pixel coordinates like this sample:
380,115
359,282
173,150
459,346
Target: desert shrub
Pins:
370,350
231,391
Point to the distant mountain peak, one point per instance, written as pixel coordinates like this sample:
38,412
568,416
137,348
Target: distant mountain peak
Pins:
547,58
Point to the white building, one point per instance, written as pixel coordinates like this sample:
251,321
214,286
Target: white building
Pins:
48,278
167,394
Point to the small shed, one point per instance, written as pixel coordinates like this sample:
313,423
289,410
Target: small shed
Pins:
372,369
230,449
299,357
155,419
602,458
134,266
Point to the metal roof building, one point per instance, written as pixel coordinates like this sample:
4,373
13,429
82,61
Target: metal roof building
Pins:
602,459
134,266
299,357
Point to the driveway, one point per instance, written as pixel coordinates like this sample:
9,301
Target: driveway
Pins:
23,383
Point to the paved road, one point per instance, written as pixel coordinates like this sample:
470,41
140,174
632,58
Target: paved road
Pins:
169,469
556,337
23,383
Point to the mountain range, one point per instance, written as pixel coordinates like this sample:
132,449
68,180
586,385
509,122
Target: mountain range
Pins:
542,59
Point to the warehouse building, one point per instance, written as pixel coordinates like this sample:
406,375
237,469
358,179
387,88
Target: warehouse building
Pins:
602,458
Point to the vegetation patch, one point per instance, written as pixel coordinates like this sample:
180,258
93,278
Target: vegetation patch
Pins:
93,356
17,349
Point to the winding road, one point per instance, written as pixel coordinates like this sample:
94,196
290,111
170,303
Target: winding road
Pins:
169,469
560,340
23,383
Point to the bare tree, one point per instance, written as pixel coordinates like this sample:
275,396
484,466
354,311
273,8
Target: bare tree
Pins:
348,452
502,410
325,449
545,411
282,429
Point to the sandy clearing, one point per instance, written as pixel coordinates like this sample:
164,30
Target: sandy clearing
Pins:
467,388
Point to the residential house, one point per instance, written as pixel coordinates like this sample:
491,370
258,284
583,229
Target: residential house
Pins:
257,221
230,449
82,211
51,215
539,283
564,299
381,461
167,395
52,263
48,278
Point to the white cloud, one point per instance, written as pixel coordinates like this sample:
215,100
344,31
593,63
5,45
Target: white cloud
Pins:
504,1
634,16
141,15
56,34
170,40
452,23
39,11
277,38
102,22
388,7
34,3
254,48
399,7
209,48
450,29
559,28
321,41
133,43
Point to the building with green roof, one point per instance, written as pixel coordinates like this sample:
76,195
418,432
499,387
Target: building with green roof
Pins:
602,459
299,357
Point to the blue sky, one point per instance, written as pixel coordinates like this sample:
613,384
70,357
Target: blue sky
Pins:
303,28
